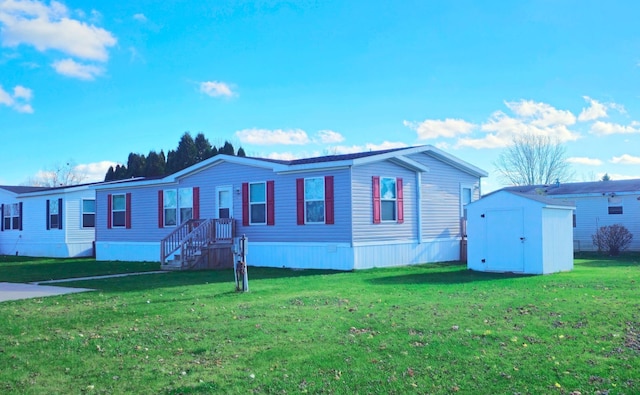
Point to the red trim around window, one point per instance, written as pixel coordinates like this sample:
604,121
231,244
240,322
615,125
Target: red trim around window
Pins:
300,200
245,204
109,212
328,201
161,209
400,200
376,199
196,202
127,213
271,213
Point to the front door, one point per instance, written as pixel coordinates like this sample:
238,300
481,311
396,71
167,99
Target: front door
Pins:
224,202
504,250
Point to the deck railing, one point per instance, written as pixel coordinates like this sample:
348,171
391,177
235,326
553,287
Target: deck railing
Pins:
195,234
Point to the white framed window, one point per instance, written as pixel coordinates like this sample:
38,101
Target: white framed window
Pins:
258,203
7,216
388,199
54,217
615,206
11,216
170,207
466,197
119,210
88,213
185,203
314,200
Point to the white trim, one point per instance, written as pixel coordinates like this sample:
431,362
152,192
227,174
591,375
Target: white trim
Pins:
404,241
266,205
216,202
419,206
471,199
95,213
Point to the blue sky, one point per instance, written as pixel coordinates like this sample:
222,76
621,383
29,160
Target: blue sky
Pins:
88,82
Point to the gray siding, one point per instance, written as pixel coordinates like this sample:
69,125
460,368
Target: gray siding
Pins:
441,197
364,230
144,202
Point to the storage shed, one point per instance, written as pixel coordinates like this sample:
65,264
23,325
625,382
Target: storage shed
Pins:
515,232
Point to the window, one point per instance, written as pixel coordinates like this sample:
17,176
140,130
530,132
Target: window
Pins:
6,210
88,213
615,205
388,198
466,196
314,200
119,211
170,207
615,209
388,201
15,216
257,203
185,202
54,216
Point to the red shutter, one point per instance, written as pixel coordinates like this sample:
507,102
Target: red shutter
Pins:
20,216
127,213
196,202
328,200
161,209
400,200
245,204
60,213
376,199
47,214
300,200
271,214
1,217
109,210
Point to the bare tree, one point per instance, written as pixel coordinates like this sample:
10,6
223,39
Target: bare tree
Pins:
58,175
533,160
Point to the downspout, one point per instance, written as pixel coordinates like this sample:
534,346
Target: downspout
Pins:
419,196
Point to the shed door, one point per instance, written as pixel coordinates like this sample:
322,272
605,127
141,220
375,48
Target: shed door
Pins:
504,249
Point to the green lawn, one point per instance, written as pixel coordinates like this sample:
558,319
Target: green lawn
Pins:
436,329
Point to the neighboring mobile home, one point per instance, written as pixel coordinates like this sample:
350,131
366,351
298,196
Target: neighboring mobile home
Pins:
598,203
371,209
48,222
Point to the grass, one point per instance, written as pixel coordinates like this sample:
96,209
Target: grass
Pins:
436,329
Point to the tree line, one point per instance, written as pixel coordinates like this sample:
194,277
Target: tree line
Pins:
189,152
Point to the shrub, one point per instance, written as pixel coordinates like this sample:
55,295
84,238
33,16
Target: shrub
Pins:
612,239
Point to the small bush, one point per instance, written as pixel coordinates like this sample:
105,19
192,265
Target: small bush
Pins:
612,239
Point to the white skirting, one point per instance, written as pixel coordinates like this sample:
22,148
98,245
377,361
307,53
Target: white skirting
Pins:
127,251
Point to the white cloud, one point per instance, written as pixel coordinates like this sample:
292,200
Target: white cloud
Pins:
600,128
50,27
19,100
329,137
73,69
271,137
581,160
626,159
216,89
282,156
598,110
140,17
530,117
434,128
94,171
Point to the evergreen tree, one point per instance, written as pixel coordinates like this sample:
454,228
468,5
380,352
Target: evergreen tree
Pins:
120,173
203,148
110,176
155,165
227,149
184,156
136,165
241,152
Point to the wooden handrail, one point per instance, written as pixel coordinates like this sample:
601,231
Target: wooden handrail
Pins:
195,234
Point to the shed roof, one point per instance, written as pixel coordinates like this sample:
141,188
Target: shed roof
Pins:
534,197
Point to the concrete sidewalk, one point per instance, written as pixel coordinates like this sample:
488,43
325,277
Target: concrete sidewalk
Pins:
15,291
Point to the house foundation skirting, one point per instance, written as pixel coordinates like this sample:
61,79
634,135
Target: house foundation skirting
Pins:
48,249
128,251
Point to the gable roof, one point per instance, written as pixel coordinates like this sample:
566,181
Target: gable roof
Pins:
580,188
397,155
21,189
547,202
